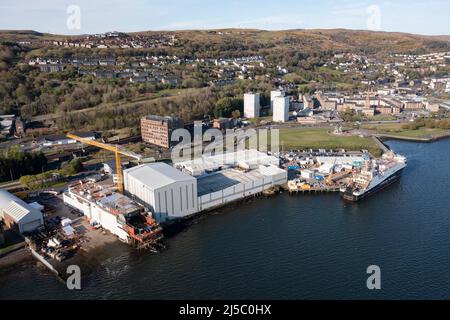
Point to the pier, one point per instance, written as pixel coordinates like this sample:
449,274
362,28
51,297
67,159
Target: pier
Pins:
295,190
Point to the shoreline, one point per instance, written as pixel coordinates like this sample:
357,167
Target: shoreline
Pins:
93,255
387,137
88,260
15,258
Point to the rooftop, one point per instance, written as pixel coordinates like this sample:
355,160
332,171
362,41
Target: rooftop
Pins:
15,207
225,179
117,203
160,118
158,174
111,201
250,157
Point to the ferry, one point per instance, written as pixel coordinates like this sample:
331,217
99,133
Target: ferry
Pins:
374,176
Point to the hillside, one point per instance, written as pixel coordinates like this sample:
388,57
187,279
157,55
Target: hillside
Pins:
305,40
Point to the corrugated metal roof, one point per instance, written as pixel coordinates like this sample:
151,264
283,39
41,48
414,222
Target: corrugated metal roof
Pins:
16,211
157,175
225,179
6,198
15,207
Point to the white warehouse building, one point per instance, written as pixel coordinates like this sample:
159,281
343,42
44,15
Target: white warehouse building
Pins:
166,191
19,215
229,185
170,193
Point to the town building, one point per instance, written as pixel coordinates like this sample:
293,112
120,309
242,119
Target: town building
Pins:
51,67
413,104
273,94
280,109
307,102
251,105
432,107
222,123
60,139
384,110
311,120
6,124
158,130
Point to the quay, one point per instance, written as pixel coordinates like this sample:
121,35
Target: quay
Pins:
295,190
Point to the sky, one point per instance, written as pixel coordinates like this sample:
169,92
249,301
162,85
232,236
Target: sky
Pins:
429,17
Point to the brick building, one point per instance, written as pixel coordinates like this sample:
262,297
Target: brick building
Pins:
157,130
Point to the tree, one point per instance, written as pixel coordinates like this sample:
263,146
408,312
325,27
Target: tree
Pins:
75,165
236,114
225,106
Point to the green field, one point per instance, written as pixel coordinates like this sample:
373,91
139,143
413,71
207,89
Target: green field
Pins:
381,117
319,138
396,130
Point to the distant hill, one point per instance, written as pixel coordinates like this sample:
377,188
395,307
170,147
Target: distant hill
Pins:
299,39
326,39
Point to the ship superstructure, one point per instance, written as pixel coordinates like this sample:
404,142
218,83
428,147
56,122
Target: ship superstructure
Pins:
375,175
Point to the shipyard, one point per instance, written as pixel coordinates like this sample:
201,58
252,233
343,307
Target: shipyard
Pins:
269,153
137,198
140,200
342,172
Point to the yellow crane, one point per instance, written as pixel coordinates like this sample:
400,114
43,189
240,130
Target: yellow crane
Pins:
114,148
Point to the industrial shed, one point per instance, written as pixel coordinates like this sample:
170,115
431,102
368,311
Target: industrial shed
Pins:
166,191
19,215
229,185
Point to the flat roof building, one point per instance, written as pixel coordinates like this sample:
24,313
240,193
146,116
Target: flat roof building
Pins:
280,109
248,159
251,105
273,94
157,130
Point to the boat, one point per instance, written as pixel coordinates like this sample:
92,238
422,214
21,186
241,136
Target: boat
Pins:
373,177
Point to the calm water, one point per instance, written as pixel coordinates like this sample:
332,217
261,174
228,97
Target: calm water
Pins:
312,246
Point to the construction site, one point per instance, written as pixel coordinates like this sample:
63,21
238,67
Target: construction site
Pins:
321,171
118,214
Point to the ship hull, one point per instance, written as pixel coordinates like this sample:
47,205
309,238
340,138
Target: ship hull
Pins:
350,197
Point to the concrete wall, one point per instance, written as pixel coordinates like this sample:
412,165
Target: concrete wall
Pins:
109,222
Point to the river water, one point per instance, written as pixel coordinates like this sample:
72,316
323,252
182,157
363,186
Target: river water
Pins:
289,247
